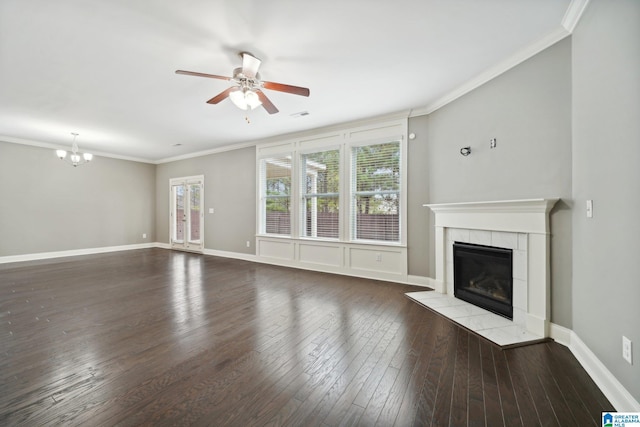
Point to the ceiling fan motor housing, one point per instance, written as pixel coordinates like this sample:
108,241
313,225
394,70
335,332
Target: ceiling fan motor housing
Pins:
246,82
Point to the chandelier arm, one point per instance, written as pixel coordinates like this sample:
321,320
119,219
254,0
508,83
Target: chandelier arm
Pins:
76,158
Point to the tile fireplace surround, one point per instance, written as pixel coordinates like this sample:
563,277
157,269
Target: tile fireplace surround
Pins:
520,225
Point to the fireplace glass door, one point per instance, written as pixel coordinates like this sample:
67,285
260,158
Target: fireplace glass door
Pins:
483,275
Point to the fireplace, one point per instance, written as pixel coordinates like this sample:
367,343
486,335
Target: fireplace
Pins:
483,276
520,225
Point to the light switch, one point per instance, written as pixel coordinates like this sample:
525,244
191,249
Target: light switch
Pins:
210,210
589,208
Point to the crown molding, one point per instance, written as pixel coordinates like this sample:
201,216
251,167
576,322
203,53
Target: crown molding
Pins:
493,72
294,135
571,18
573,14
204,153
32,143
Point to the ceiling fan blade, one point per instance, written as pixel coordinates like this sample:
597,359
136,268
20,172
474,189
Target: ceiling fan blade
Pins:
266,103
193,73
296,90
250,65
222,95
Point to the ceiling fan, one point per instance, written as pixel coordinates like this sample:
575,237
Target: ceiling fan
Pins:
247,92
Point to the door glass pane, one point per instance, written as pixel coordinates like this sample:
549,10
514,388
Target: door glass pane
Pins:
178,191
194,212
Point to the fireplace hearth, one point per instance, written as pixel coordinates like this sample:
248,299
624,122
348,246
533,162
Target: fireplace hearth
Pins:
483,276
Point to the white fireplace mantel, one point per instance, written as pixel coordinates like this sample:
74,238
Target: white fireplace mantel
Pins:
520,216
526,223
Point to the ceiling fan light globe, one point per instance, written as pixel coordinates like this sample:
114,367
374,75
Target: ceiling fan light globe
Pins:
238,98
252,99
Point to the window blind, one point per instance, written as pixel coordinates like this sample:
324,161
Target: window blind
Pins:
320,194
375,192
275,179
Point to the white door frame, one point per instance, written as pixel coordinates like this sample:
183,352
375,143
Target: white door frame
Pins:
186,244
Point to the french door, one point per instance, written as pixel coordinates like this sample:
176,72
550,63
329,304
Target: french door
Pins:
187,213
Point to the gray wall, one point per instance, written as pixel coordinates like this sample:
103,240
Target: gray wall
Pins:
48,205
606,152
419,234
528,110
229,188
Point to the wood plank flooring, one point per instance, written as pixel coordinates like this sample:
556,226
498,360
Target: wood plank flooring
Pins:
155,337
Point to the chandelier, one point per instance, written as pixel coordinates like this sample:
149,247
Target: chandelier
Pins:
75,157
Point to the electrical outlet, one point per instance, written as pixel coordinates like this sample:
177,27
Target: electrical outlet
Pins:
626,350
589,208
248,244
144,235
379,257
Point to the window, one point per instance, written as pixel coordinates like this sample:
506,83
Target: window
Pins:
339,187
375,192
320,194
275,179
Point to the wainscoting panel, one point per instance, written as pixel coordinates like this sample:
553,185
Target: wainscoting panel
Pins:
319,254
279,249
383,262
376,259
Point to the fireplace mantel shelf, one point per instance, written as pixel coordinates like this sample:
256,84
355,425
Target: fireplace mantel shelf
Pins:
525,205
520,216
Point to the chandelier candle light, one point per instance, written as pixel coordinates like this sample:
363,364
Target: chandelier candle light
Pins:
75,158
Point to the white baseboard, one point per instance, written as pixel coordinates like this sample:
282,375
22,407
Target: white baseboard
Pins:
420,281
560,334
619,397
73,252
234,255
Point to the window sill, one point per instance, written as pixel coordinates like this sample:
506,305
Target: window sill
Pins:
334,241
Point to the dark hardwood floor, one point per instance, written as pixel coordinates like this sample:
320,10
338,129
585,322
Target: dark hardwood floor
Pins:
155,337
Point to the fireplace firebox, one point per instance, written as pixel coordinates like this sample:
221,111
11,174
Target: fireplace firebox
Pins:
483,276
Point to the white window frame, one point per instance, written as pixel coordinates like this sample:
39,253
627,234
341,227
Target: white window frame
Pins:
263,197
351,185
301,196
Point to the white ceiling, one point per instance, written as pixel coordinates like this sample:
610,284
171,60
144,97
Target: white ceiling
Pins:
105,68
